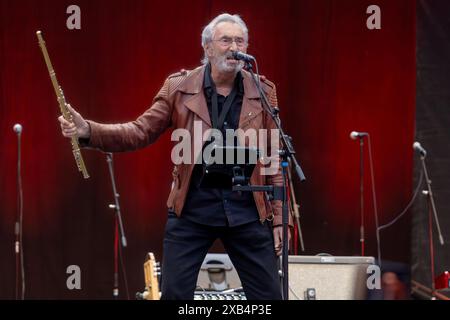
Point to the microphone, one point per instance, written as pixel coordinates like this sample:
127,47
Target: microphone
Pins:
17,128
355,134
19,223
420,149
242,56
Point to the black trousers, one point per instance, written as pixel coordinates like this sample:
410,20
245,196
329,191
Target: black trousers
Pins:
249,246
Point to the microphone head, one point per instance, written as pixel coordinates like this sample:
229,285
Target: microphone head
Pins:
17,128
418,147
237,55
355,134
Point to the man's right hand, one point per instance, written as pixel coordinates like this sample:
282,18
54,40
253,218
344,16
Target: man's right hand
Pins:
77,128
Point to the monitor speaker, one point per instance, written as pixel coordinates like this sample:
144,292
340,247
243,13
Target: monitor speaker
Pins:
328,277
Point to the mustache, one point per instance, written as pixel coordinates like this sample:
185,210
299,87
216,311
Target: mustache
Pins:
226,55
229,55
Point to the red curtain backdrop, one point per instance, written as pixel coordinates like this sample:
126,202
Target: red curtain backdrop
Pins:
333,76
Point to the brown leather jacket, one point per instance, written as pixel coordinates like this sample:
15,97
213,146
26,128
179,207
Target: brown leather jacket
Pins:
178,104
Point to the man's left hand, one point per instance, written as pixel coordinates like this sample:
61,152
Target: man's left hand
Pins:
278,239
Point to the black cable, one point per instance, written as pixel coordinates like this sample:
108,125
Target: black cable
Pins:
384,226
416,192
374,199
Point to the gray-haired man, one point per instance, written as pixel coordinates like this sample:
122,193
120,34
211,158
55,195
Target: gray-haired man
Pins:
219,95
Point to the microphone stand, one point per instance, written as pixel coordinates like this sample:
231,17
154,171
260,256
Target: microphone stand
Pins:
18,246
287,153
118,227
361,193
431,212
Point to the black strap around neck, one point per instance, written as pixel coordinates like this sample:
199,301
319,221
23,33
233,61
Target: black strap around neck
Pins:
218,120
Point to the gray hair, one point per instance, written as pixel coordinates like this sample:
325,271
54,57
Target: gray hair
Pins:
208,31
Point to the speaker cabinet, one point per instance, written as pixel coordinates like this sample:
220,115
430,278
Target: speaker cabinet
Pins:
328,277
310,277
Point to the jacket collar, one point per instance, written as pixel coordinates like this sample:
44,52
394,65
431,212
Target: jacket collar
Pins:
193,84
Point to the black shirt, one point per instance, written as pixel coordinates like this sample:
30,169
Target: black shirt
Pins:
220,207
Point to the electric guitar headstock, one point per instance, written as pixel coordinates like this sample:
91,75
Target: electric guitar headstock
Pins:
152,270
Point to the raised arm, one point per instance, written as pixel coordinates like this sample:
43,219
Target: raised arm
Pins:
124,136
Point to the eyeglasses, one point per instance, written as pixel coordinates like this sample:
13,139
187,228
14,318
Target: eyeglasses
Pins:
227,41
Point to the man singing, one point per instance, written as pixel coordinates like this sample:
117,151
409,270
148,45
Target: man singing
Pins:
218,95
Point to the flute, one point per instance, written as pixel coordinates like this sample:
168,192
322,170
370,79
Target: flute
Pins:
63,106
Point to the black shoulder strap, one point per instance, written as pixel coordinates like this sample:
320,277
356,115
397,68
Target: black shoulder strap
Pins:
217,121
